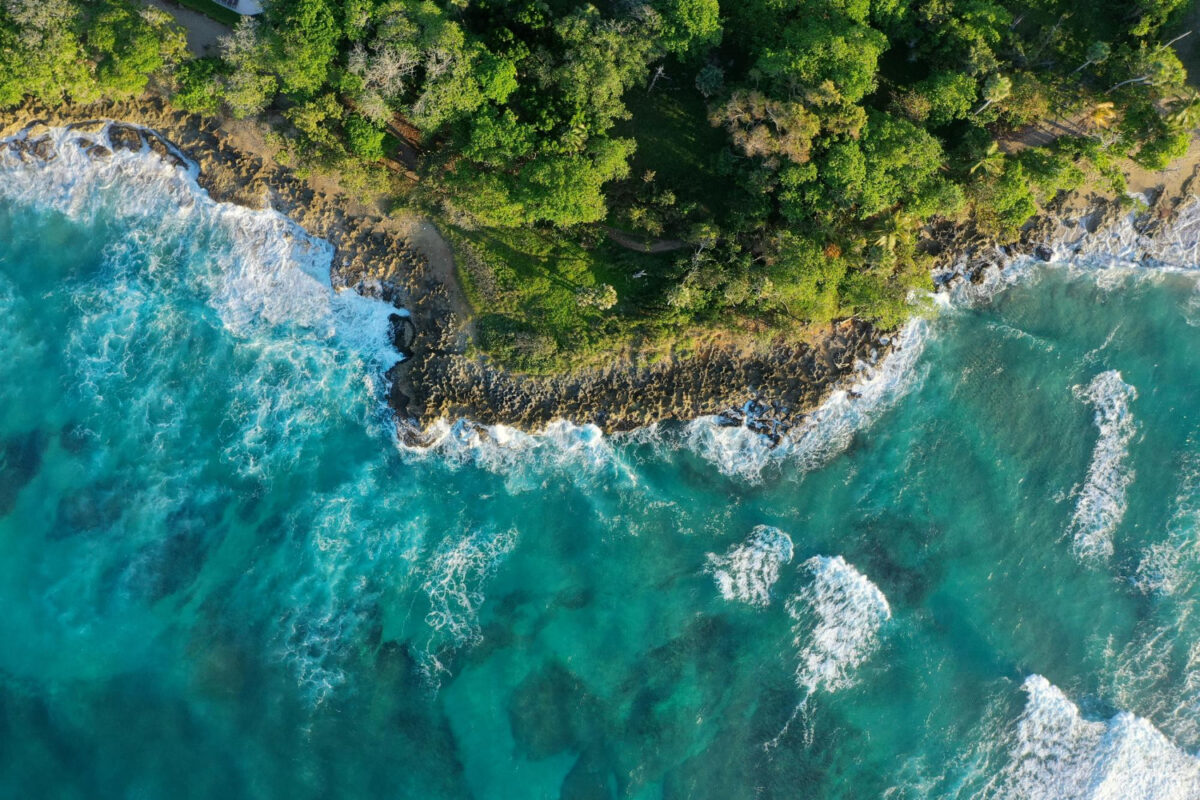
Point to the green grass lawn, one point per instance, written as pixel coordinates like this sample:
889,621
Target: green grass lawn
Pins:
211,8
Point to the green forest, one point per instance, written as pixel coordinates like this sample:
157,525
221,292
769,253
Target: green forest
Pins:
635,172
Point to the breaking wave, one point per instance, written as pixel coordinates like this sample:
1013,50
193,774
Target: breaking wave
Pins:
1057,754
746,572
260,267
829,429
836,622
1102,499
526,460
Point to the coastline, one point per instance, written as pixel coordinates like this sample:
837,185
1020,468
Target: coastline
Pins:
406,262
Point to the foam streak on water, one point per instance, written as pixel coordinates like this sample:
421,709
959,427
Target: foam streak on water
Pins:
1169,566
454,585
1102,499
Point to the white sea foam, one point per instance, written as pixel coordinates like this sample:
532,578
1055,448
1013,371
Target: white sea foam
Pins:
1057,754
272,272
1102,499
526,460
746,572
1157,670
456,576
836,620
829,429
1002,272
1175,246
177,265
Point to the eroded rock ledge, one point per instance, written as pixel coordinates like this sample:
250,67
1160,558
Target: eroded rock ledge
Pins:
406,263
380,256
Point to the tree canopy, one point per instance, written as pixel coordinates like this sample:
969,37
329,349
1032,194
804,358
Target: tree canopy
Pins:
790,151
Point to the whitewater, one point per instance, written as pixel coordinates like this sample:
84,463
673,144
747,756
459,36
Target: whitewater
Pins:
971,573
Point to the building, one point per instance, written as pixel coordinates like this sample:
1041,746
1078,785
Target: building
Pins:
244,7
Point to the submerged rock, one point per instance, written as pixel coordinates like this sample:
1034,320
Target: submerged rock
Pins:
552,712
20,460
590,779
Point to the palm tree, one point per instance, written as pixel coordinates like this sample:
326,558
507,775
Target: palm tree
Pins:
894,230
991,162
1101,115
1185,111
995,90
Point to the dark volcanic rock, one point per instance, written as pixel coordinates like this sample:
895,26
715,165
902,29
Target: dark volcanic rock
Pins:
43,149
622,396
164,151
124,137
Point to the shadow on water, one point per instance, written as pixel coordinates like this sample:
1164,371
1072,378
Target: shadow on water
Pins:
20,460
552,712
91,509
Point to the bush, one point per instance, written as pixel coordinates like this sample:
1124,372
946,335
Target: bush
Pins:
199,88
1004,203
363,138
1160,151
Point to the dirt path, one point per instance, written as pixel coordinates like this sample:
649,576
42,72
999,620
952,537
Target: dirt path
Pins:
630,242
203,33
427,240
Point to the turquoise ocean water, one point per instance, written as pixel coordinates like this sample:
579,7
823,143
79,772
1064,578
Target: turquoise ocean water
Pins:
220,576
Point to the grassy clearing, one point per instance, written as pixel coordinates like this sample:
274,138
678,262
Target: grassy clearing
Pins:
676,142
526,288
210,8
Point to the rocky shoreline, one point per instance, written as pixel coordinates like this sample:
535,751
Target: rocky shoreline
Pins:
410,266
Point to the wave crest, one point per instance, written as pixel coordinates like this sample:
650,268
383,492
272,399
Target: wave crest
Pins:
259,267
1056,754
746,572
526,460
836,618
739,451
